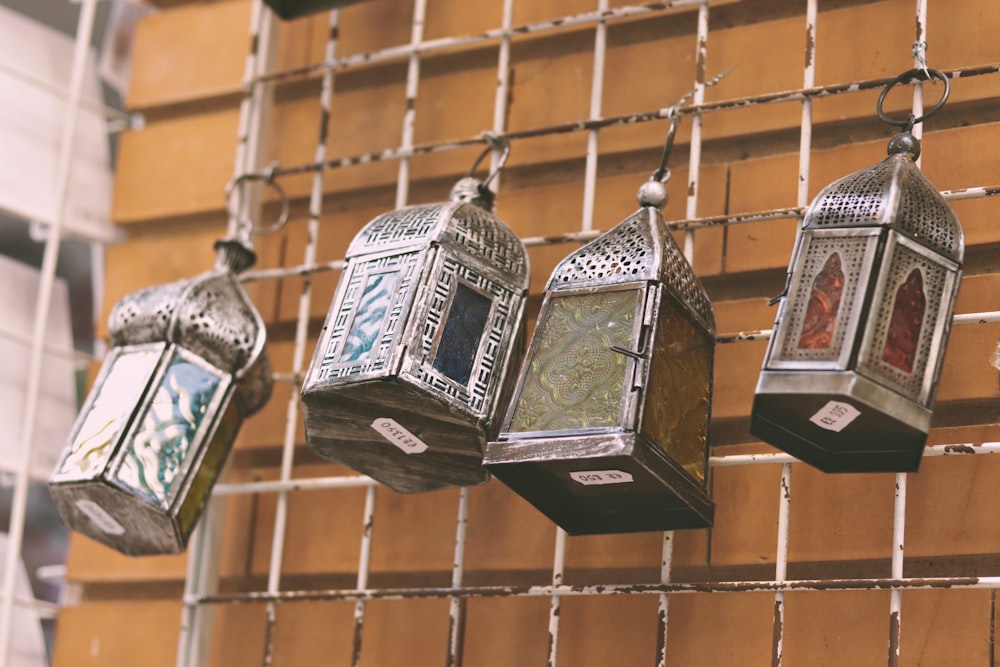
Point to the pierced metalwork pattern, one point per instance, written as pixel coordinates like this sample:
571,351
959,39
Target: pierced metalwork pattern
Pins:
129,372
574,379
626,253
478,231
144,316
217,321
397,228
898,268
169,431
815,255
332,364
679,278
862,199
680,390
493,346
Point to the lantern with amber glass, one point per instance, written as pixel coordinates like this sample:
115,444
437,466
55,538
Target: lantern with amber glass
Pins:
188,364
850,373
405,380
607,430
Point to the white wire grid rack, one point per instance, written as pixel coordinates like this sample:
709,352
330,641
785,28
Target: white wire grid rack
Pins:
200,595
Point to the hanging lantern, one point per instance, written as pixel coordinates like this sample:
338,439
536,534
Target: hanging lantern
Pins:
404,382
607,431
293,9
188,364
851,370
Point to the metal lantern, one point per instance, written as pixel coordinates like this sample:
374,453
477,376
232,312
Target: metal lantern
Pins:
293,9
188,364
607,430
405,380
851,370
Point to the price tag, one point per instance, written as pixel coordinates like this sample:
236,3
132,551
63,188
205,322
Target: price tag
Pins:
595,477
399,436
835,416
100,517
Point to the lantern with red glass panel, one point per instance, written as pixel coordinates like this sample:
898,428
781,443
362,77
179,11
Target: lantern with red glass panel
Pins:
849,377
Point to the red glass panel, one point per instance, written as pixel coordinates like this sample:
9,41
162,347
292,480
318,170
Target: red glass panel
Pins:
905,324
824,302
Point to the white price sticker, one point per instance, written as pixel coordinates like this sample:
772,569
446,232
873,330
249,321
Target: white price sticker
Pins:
99,516
594,477
399,436
835,416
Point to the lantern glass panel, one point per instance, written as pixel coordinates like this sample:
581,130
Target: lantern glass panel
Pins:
575,380
824,304
463,329
169,429
906,323
371,313
677,407
110,411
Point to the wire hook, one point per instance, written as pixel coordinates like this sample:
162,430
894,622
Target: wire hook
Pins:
493,143
267,176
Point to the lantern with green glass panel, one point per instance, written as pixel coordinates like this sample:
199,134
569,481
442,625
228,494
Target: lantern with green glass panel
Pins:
406,379
607,429
850,374
188,364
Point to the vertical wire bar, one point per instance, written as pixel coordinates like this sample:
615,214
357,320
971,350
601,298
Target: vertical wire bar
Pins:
50,258
364,567
456,611
802,198
301,337
558,569
409,117
194,640
899,499
502,97
596,95
691,208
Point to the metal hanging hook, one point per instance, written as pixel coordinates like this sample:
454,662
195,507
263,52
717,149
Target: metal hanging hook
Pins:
493,143
923,74
246,227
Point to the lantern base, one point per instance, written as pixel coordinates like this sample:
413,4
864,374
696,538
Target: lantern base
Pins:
395,433
609,483
839,422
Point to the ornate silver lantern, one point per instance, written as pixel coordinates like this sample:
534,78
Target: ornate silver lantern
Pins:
404,384
607,430
851,370
188,364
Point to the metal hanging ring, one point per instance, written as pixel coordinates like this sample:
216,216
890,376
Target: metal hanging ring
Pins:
267,177
923,75
493,143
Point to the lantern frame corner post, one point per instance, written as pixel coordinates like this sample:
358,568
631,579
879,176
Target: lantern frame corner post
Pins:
412,409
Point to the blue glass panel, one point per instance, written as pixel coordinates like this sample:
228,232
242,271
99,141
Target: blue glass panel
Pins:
372,308
462,331
168,430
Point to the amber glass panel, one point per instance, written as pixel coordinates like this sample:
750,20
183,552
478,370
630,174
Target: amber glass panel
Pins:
824,302
680,390
574,379
904,326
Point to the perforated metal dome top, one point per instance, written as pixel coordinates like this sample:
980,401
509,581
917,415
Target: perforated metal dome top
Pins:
457,224
894,193
638,248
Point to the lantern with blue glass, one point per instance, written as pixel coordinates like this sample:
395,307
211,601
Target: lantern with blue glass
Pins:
850,373
607,430
406,378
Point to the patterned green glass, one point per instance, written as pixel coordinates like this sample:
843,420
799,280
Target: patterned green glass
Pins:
169,430
574,379
109,412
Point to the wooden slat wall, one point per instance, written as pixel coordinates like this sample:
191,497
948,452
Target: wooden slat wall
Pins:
186,80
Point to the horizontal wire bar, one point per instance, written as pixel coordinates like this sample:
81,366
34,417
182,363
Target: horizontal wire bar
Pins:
877,583
627,119
442,43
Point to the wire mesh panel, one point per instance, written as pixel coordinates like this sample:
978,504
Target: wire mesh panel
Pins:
382,105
